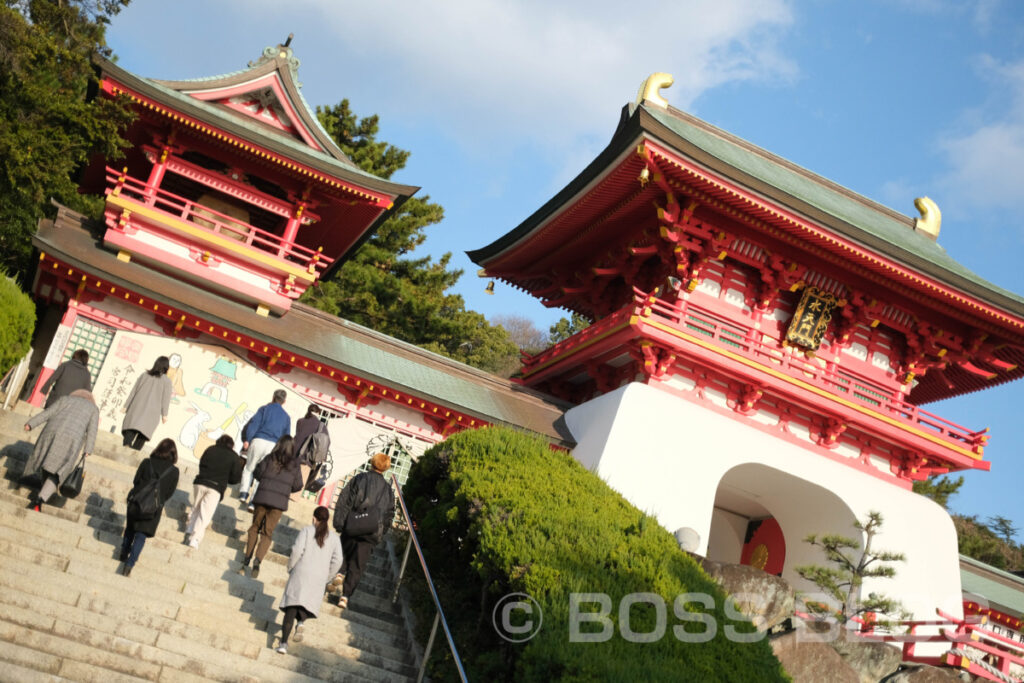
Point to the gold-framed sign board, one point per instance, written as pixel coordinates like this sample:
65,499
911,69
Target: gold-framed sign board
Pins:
811,319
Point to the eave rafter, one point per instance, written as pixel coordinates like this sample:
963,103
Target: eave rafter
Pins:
115,89
180,324
795,231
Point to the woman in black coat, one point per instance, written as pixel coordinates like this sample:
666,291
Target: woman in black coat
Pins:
366,490
279,477
160,466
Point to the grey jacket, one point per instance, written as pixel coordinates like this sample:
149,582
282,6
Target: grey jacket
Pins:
149,401
69,376
310,568
70,430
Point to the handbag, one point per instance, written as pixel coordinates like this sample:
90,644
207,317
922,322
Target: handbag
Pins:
317,479
72,485
364,520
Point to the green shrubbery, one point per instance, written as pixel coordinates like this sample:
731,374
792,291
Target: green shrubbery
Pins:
17,320
499,512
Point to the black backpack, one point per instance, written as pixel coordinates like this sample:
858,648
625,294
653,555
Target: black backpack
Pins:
145,501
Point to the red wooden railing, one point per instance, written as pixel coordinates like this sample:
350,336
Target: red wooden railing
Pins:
747,341
119,183
971,646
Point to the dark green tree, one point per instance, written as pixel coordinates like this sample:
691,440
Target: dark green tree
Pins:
48,128
17,321
1004,527
848,566
939,489
566,327
382,286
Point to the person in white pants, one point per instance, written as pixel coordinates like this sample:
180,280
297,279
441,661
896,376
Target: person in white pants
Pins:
219,467
259,436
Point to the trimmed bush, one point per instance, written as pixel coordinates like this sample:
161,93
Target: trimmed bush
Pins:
499,512
17,320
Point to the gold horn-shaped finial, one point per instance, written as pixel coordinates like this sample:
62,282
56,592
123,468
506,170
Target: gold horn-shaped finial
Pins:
931,218
649,90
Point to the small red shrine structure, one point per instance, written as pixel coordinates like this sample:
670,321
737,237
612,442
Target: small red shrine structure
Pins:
232,184
762,342
231,202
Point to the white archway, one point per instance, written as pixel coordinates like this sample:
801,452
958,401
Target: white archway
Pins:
668,456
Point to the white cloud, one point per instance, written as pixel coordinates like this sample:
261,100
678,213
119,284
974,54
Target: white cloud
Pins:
550,72
987,162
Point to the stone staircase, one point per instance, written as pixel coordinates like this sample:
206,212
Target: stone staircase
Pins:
184,614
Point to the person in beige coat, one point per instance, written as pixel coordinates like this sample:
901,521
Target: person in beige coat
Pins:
316,557
70,432
147,404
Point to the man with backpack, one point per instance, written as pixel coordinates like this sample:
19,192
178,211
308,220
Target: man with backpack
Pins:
365,510
313,444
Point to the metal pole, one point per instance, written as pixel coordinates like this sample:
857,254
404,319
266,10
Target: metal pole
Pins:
430,646
401,570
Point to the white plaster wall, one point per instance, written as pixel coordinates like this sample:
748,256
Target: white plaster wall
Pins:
668,455
725,540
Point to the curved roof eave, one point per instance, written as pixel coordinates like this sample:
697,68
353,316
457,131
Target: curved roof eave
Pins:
871,225
293,149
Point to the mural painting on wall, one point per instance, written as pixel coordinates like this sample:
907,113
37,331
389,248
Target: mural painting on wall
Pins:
213,392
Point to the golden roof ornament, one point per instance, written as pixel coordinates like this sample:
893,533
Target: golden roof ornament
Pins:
931,218
649,90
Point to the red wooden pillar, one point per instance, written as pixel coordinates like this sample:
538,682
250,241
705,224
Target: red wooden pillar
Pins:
291,229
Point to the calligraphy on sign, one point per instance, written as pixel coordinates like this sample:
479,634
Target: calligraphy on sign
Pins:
811,319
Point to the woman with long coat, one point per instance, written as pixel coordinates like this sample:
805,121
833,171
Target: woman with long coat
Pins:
69,376
279,477
147,404
159,466
70,432
315,558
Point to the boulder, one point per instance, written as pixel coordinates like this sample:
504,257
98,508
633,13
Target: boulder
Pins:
810,661
766,599
922,673
871,661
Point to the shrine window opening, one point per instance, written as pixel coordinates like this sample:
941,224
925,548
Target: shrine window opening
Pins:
94,338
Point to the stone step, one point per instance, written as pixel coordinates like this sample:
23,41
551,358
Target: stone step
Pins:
25,664
167,570
91,663
185,614
225,548
87,623
48,545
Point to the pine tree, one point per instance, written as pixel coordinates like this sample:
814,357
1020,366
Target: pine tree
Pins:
842,581
48,128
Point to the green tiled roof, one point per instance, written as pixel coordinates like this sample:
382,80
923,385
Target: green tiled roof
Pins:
1000,595
847,213
870,222
252,130
323,338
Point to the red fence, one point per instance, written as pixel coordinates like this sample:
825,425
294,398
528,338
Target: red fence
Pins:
214,221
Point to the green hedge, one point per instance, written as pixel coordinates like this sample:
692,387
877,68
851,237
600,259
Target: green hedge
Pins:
499,512
17,321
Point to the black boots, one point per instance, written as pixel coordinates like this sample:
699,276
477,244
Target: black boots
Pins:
255,568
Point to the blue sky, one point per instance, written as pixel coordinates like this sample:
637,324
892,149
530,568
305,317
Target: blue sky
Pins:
502,103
